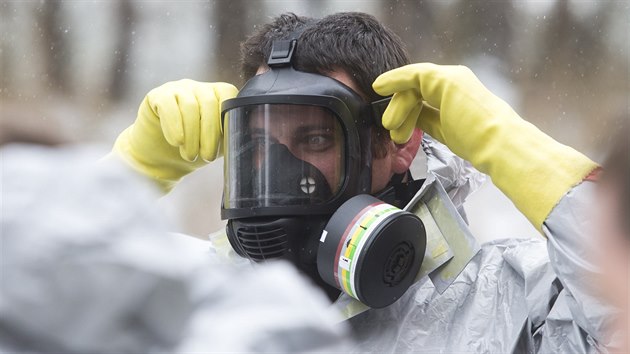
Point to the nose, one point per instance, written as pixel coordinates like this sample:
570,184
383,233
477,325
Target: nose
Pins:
286,140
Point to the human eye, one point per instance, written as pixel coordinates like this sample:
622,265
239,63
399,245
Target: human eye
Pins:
319,142
260,137
257,143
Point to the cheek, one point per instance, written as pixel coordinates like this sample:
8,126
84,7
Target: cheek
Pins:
329,165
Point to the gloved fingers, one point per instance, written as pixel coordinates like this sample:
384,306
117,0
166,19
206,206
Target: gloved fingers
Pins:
399,108
404,132
189,109
429,121
428,79
452,82
400,79
211,130
166,109
210,134
223,91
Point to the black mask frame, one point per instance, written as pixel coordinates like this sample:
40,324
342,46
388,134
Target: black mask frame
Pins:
282,84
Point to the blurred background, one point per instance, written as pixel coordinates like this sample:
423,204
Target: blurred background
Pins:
77,71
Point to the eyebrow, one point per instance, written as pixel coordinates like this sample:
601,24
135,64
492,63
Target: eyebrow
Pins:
260,131
309,128
302,130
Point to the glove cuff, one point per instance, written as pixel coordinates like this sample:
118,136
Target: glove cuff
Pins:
532,169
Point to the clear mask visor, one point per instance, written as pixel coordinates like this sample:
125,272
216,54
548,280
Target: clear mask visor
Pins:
282,155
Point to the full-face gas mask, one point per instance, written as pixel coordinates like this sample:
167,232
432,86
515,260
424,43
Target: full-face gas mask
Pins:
297,172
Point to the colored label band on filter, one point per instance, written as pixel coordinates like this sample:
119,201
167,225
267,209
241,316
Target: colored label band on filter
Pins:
353,242
342,244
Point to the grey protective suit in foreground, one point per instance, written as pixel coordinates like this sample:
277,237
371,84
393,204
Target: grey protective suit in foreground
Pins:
87,267
529,295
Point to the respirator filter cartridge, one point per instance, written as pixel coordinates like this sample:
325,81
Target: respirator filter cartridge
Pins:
371,250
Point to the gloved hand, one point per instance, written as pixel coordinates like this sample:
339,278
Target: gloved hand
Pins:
531,168
178,130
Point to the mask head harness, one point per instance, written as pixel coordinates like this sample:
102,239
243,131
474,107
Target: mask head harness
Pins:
297,147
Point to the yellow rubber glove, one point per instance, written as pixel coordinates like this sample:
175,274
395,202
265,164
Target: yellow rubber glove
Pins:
531,168
178,129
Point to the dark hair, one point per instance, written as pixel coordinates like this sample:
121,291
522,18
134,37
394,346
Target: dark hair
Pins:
617,173
353,42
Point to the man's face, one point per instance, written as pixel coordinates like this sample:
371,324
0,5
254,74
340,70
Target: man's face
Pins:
383,167
312,134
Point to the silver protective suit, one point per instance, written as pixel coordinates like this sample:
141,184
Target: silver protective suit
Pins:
516,295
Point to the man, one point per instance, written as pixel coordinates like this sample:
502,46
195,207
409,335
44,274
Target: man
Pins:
513,296
174,134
